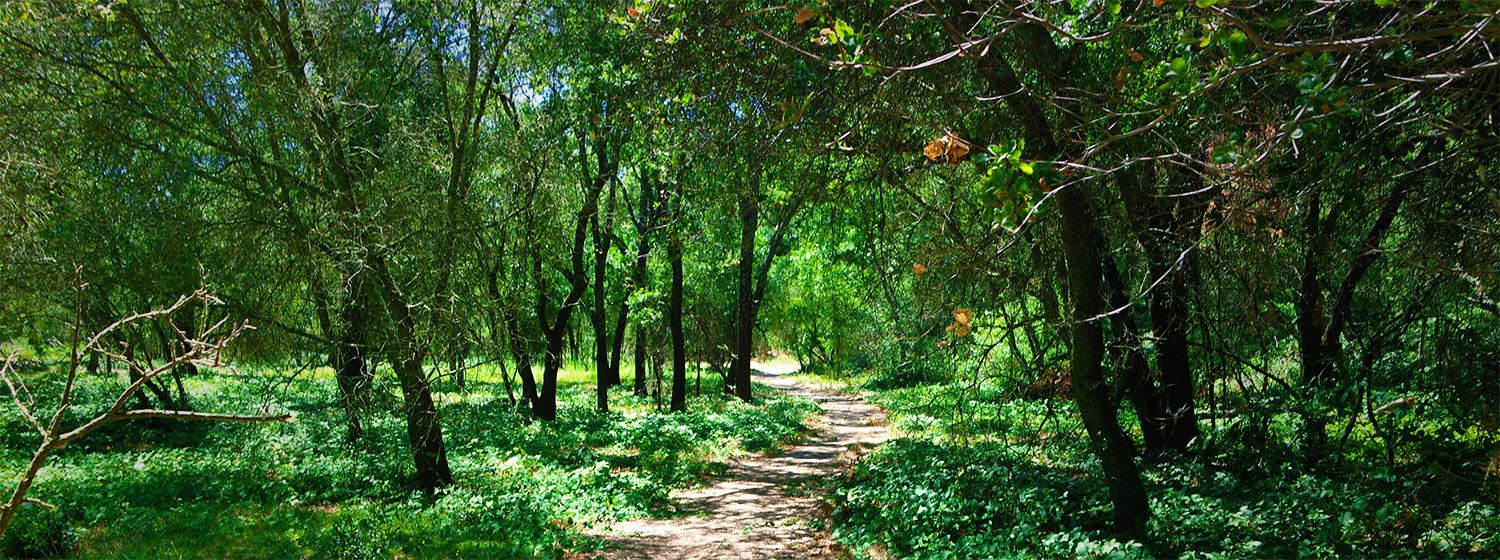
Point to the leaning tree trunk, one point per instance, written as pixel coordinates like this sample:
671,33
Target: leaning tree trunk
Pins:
424,431
1114,449
1135,381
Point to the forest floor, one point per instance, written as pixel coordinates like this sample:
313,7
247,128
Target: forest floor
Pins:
766,505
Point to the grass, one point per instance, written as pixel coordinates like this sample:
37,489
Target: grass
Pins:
524,488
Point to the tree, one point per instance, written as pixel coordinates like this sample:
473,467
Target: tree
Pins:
203,350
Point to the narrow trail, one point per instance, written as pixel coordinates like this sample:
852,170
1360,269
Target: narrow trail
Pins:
761,509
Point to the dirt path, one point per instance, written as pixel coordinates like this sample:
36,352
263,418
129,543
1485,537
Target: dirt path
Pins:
762,507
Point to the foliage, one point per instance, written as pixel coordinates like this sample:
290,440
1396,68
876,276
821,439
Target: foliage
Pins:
38,532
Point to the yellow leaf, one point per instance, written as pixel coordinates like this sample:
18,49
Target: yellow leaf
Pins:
803,15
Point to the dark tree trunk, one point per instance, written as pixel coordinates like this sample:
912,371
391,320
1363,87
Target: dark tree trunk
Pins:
674,324
1314,436
556,329
1168,237
645,221
351,370
1114,449
520,352
424,431
135,374
1169,318
597,319
1310,300
744,309
1320,333
640,363
618,343
1136,379
545,405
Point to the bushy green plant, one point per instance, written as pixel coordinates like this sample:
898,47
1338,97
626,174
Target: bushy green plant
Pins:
1472,529
38,532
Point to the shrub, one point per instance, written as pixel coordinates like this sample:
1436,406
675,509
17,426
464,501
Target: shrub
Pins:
38,532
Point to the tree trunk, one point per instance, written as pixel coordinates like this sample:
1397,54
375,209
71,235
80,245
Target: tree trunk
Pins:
545,405
1135,380
1320,335
674,323
640,362
424,431
598,320
744,318
556,330
351,370
618,343
1168,238
520,352
1115,451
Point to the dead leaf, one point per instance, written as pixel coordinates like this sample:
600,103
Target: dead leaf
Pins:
803,15
957,148
962,317
935,149
919,269
949,146
1135,56
634,13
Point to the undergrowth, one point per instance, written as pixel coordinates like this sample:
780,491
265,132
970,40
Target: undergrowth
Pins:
977,474
524,489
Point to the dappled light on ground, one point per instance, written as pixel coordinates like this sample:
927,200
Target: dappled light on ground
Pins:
765,505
